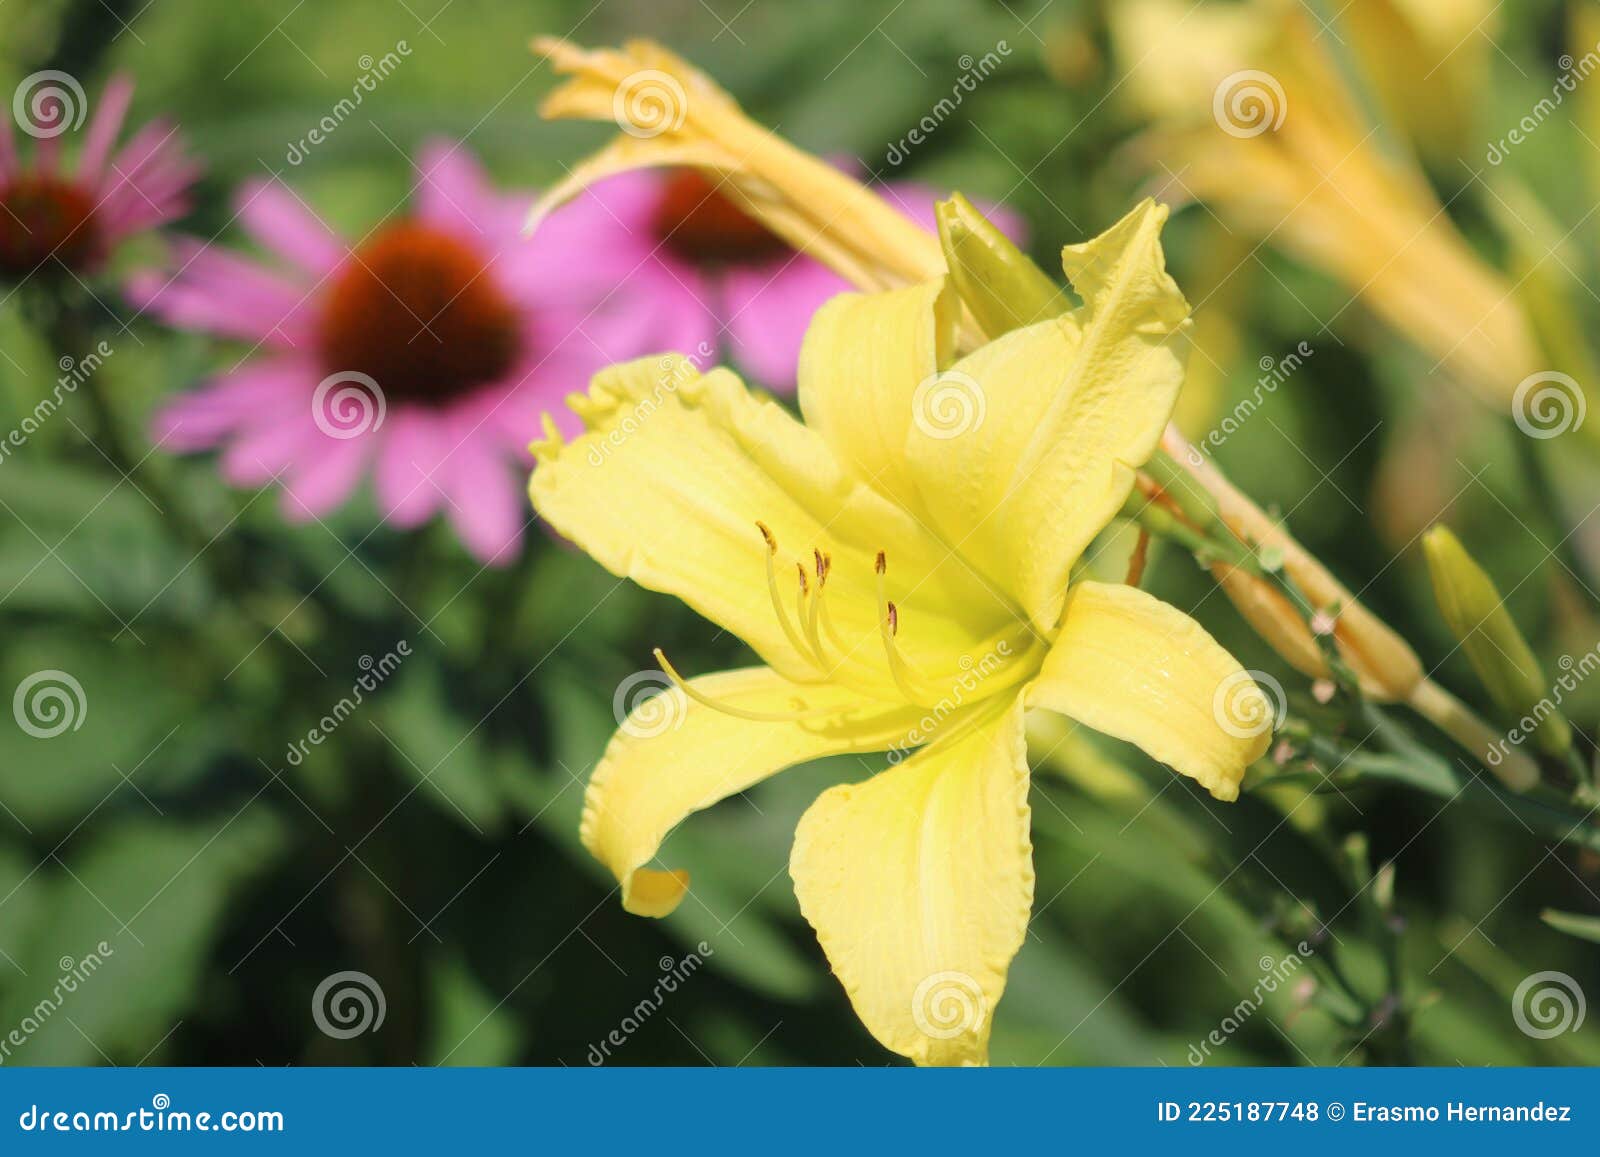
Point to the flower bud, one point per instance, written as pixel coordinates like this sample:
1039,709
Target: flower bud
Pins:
1385,665
1505,664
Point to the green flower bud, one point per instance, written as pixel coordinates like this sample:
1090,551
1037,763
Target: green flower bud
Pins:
1002,287
1476,615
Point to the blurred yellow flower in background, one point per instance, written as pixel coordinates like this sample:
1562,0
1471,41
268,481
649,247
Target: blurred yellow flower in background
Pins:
1254,118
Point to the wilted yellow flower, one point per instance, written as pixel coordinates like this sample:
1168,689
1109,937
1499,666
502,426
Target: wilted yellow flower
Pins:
670,113
900,561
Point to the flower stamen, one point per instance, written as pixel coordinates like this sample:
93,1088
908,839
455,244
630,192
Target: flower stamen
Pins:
789,631
800,712
815,610
888,628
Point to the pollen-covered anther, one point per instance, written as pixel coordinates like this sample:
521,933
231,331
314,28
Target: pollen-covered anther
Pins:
882,565
888,628
790,632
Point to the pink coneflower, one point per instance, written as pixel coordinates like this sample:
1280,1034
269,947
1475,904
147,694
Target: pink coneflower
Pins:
426,350
714,270
76,218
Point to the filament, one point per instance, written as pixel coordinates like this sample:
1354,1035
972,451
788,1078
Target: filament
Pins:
888,627
789,631
800,712
818,611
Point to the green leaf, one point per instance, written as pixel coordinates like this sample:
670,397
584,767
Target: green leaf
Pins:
132,919
1583,927
470,1026
442,748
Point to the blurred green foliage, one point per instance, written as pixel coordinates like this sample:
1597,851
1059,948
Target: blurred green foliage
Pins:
432,843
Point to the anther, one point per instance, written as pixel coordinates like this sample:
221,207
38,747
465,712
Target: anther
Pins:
789,631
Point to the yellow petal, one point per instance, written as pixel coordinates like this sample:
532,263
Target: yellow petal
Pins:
919,883
674,755
1060,414
863,361
1135,668
1021,452
669,481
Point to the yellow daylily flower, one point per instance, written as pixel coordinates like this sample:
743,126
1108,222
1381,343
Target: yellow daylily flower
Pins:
1427,63
1254,118
900,563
